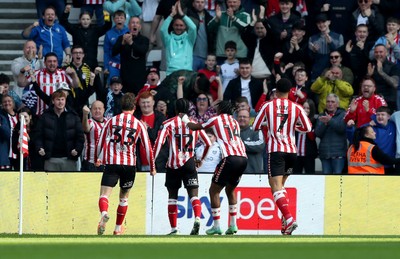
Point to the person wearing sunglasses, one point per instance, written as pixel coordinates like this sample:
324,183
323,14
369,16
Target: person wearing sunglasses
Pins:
336,59
368,14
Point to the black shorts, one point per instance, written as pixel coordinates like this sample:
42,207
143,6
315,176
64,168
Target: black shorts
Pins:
186,174
229,170
125,173
280,163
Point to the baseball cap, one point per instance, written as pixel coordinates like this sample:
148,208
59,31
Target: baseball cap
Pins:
153,70
321,18
64,86
115,79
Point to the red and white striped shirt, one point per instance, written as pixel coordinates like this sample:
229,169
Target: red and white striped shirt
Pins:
227,132
210,5
49,83
117,143
90,152
13,122
94,2
282,117
181,140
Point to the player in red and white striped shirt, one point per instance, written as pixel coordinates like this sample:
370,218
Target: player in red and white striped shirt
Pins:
92,128
282,117
231,167
181,166
117,150
49,78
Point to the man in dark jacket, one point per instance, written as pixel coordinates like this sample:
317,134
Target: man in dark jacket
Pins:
60,137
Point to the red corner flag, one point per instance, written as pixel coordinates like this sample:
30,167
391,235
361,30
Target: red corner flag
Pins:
23,137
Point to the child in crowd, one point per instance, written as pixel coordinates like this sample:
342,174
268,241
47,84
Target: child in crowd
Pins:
114,96
230,68
211,71
390,40
298,93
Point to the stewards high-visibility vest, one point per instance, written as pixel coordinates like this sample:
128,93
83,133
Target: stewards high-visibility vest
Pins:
362,162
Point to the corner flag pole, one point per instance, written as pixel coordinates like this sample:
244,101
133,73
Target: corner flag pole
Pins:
21,172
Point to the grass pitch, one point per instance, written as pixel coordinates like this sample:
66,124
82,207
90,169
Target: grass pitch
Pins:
280,247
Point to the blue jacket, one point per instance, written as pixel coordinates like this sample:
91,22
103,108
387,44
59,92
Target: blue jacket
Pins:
109,41
53,39
5,133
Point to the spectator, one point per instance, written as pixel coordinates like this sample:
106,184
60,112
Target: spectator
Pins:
164,9
230,68
395,117
161,106
259,45
244,85
9,112
113,98
210,71
112,64
295,48
356,54
49,78
5,135
153,81
332,82
50,34
132,47
86,34
253,142
331,129
130,8
386,75
149,9
94,7
57,5
388,8
298,94
5,90
368,14
228,26
306,144
335,58
204,41
179,42
281,24
30,57
60,137
364,156
92,128
321,44
364,106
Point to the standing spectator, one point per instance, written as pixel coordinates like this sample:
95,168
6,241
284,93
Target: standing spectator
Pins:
282,117
230,68
152,120
112,64
307,150
228,26
281,24
321,44
365,150
335,58
364,106
386,75
132,48
5,90
230,169
331,129
295,49
210,71
94,7
356,54
49,78
179,42
130,8
60,136
30,57
50,34
153,81
164,9
259,45
118,153
244,85
86,34
149,8
114,98
332,82
181,165
368,14
253,142
92,128
298,94
5,135
57,5
204,40
8,111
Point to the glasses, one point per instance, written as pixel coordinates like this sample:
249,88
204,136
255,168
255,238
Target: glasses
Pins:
334,57
201,99
361,1
243,117
76,53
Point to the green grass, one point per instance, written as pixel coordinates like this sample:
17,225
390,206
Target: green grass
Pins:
246,247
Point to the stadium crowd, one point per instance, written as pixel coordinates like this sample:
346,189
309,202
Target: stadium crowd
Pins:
342,58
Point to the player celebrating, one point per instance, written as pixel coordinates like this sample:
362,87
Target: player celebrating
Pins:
181,166
117,149
230,169
283,117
